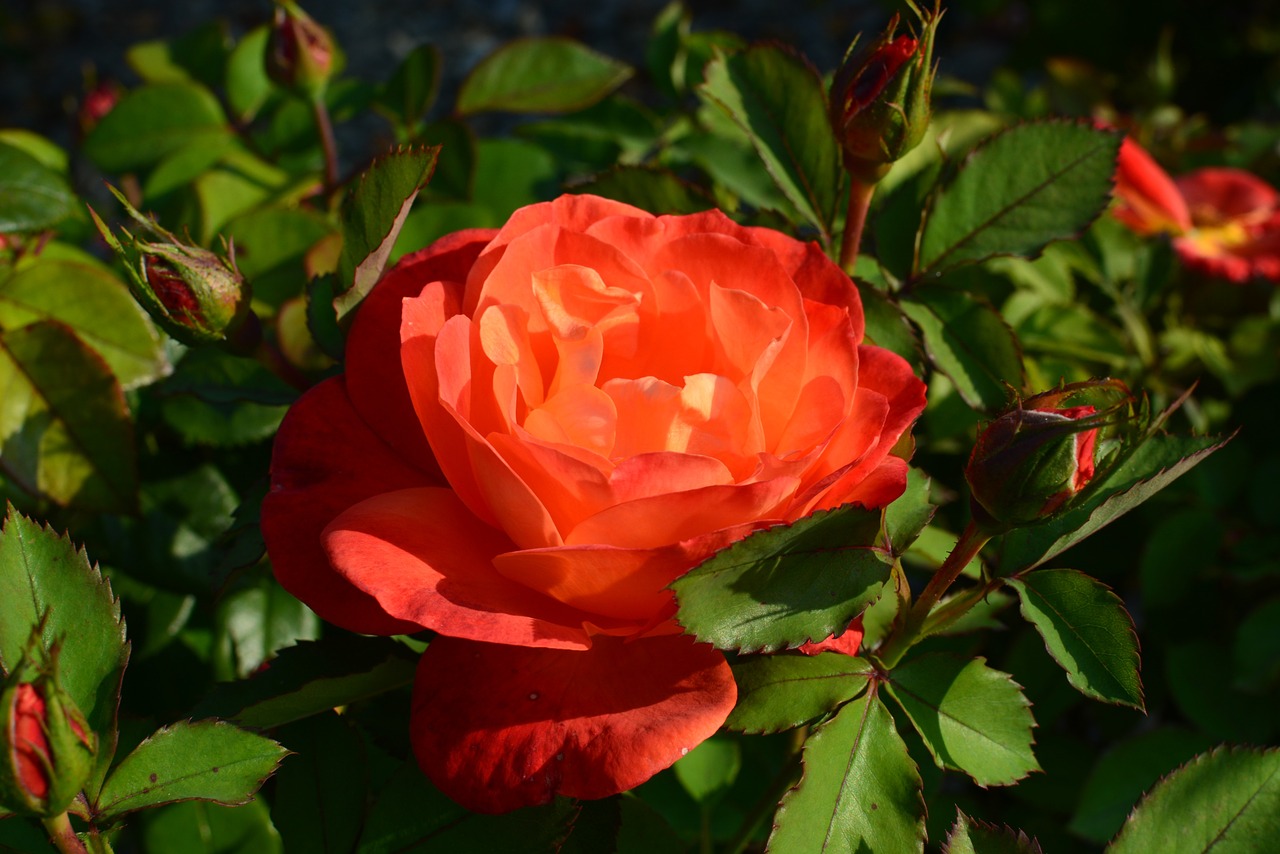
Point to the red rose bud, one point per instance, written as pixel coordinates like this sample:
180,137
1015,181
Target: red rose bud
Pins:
197,296
48,748
1036,458
879,105
299,52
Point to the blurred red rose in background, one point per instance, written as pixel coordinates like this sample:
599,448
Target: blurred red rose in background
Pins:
1224,222
539,429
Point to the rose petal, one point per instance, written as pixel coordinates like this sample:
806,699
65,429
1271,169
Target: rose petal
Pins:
375,379
845,643
428,560
325,459
1150,202
1217,195
497,728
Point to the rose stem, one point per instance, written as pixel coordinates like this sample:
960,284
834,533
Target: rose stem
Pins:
325,127
765,805
860,194
62,835
966,549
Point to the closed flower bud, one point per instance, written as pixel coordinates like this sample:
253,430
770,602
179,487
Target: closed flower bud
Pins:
197,296
300,51
879,105
48,747
1036,458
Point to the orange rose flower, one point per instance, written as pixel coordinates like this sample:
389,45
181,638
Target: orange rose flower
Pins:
538,430
1223,222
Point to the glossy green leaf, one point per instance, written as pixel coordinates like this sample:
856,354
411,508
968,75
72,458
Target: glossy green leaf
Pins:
1087,630
1124,773
971,717
778,692
222,425
910,513
512,173
1027,186
206,760
197,55
96,305
271,244
152,122
413,86
540,75
310,678
32,196
47,153
320,790
455,173
44,576
1226,801
411,816
198,827
968,341
1159,461
707,771
969,836
64,426
778,99
372,218
787,585
860,791
255,622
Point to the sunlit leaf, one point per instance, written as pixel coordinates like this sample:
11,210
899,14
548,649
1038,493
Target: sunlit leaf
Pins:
785,586
540,75
153,122
32,196
778,692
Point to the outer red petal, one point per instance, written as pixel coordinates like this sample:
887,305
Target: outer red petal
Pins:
426,558
846,643
1218,195
325,459
375,379
498,728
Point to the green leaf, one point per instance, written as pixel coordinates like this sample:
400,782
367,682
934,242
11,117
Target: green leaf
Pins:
64,426
654,190
910,513
96,305
152,122
198,55
968,836
44,576
197,827
222,425
778,99
372,218
707,771
1027,186
411,816
253,623
247,84
455,173
968,341
512,173
320,790
787,585
185,165
1128,769
271,244
887,325
860,791
33,197
1160,460
219,377
311,678
47,153
1226,801
1257,647
412,88
778,692
206,760
972,718
540,75
1087,630
1225,712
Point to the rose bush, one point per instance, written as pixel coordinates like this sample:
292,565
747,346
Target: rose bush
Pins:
538,429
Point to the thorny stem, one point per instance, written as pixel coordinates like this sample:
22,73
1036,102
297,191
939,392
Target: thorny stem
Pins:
324,125
966,549
855,220
767,803
62,835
